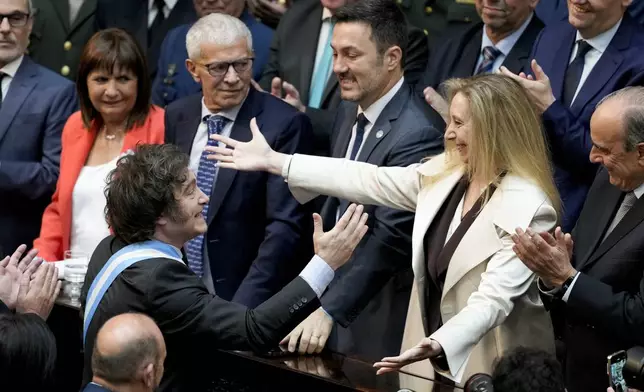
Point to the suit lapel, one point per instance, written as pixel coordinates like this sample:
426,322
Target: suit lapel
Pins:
23,83
520,52
557,71
309,35
62,11
240,131
85,12
597,79
633,217
469,55
186,129
345,131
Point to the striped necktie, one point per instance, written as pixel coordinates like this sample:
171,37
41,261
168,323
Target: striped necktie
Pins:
206,174
490,54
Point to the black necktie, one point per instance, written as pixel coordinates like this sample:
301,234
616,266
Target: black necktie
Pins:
361,124
154,30
573,74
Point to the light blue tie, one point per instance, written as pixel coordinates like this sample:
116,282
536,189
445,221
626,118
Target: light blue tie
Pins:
318,82
206,175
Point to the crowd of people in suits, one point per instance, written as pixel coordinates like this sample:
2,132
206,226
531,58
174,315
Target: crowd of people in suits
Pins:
494,150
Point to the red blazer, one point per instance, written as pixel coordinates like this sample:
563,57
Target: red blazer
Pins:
77,142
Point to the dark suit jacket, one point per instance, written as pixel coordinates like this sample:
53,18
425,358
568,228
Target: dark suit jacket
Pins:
54,41
292,58
173,81
457,57
552,11
568,129
31,123
4,308
194,323
256,229
605,310
372,294
132,16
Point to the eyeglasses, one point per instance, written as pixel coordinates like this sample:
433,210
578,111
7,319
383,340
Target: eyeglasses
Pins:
219,69
16,19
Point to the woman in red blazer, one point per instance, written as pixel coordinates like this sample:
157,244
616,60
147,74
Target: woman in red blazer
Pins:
114,91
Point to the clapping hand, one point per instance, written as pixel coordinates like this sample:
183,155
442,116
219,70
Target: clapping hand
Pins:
427,348
38,295
255,155
12,270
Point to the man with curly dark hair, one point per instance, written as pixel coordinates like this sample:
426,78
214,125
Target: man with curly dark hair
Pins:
528,370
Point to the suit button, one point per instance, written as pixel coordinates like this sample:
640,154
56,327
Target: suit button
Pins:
304,300
291,310
429,10
296,307
425,31
65,70
468,19
399,1
299,303
67,45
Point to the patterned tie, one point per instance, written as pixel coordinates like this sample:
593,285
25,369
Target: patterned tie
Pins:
490,54
319,80
205,180
574,72
627,204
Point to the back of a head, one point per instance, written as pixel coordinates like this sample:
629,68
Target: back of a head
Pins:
528,370
129,349
27,353
387,22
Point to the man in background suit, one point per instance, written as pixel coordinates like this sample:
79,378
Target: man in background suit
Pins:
257,232
593,281
148,20
61,29
301,61
383,124
577,63
35,104
173,81
504,37
133,339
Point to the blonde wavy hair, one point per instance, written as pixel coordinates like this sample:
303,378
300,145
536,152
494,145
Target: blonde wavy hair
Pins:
506,134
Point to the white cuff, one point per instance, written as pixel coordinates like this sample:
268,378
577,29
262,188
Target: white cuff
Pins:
567,293
286,167
317,274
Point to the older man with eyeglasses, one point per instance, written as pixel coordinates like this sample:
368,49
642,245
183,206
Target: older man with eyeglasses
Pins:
258,235
34,106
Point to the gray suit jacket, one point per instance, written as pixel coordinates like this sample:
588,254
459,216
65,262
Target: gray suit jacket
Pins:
372,291
55,42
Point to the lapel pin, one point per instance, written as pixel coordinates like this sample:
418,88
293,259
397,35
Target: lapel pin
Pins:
379,134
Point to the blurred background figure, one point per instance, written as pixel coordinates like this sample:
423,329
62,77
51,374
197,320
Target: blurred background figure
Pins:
173,81
61,29
34,105
115,115
147,20
128,355
300,66
27,353
268,12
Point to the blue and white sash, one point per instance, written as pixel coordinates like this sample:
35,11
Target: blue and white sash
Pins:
119,261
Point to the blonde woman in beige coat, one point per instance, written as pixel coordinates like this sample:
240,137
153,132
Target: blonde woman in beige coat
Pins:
485,300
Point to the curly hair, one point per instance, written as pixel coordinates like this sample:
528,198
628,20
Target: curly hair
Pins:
143,188
528,370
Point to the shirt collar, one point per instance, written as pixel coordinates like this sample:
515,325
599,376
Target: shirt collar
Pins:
373,112
168,3
326,14
12,68
600,42
230,114
506,44
639,191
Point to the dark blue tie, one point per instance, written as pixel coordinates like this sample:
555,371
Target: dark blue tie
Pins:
490,54
206,175
573,74
361,123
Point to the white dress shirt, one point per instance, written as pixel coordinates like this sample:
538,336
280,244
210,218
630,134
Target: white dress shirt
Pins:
504,46
599,45
89,227
9,71
152,10
639,191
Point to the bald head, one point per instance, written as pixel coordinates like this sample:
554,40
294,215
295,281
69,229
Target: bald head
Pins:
129,349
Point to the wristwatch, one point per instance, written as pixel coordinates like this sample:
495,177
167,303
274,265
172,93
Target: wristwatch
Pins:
564,287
